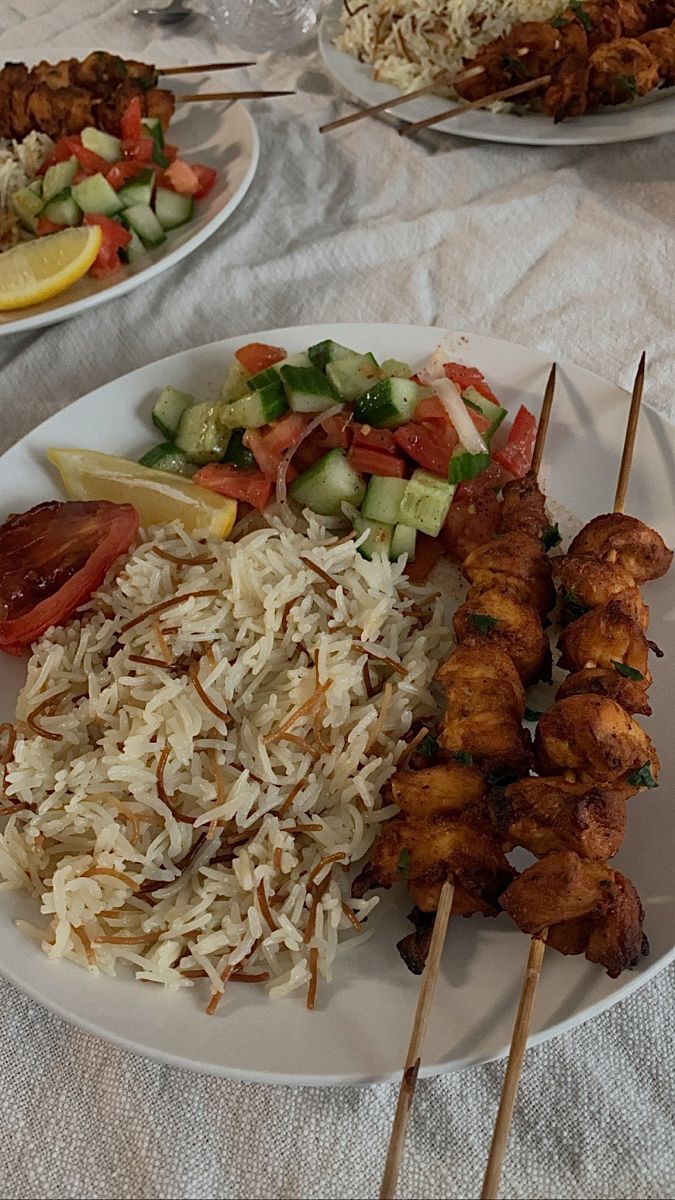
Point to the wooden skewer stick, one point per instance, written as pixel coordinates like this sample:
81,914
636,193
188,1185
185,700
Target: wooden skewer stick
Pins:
507,1100
201,97
544,418
203,67
519,89
442,81
413,1057
629,441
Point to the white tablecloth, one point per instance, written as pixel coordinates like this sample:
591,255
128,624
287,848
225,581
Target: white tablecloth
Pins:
569,250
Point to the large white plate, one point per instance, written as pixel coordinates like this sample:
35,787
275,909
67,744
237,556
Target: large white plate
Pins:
647,118
218,135
360,1029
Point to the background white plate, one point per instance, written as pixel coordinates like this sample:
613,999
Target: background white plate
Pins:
647,118
219,135
360,1029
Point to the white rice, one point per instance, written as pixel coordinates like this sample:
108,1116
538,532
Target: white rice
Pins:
410,43
93,794
19,165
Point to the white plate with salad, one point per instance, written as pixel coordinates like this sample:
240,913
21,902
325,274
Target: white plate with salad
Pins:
166,413
161,191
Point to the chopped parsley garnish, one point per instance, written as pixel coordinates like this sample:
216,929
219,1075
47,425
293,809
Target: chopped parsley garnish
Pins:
532,714
463,756
482,622
628,672
550,536
605,883
573,605
627,86
580,12
515,65
403,863
642,778
158,154
428,746
559,22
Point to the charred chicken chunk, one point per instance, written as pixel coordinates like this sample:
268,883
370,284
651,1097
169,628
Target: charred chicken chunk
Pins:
593,737
523,507
486,703
661,43
518,564
438,791
493,618
620,71
567,93
470,522
639,549
631,694
605,636
550,813
591,582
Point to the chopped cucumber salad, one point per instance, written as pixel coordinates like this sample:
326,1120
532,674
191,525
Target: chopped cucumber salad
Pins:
387,449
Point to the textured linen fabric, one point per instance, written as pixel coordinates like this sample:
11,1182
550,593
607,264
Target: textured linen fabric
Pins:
570,250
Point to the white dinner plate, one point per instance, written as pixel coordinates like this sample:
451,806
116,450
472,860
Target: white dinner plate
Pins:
360,1028
646,118
219,135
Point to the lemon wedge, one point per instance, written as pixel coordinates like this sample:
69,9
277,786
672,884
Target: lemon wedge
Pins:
35,271
157,496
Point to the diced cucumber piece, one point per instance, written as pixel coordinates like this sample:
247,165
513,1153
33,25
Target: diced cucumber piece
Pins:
95,195
154,128
464,465
58,178
168,409
201,433
27,205
138,190
354,375
134,251
494,413
389,403
143,221
327,484
172,210
237,453
323,353
271,374
379,536
103,144
391,368
236,383
307,389
426,502
36,187
403,542
383,499
63,210
259,408
167,457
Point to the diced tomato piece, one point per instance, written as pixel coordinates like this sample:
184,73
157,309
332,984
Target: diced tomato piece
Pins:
170,152
491,479
139,148
471,521
206,177
375,462
482,423
431,408
466,377
516,454
51,560
336,431
428,550
65,148
269,444
256,356
115,236
121,172
44,226
183,178
79,176
375,439
430,446
251,486
130,123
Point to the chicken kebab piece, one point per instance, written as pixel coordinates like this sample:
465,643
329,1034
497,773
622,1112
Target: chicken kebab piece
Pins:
592,756
445,828
597,52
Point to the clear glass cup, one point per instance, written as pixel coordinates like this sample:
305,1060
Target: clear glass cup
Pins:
262,25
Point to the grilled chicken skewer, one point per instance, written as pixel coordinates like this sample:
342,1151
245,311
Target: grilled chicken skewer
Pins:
571,899
443,836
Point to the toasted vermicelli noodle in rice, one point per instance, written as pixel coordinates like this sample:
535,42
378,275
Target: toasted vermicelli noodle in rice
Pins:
191,783
410,43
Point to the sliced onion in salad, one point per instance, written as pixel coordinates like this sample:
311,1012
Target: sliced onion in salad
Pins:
282,469
451,399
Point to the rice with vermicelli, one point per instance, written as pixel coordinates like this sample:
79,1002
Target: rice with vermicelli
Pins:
188,772
410,43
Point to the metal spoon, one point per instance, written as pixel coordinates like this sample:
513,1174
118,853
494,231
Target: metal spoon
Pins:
172,14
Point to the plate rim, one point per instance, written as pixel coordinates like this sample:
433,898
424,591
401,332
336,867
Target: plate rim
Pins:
630,982
329,51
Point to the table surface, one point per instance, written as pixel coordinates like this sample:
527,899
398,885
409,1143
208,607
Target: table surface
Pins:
568,250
